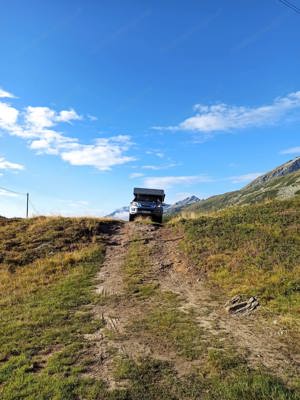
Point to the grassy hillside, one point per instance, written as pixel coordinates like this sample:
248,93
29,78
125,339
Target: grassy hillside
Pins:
253,251
144,336
46,277
158,350
282,187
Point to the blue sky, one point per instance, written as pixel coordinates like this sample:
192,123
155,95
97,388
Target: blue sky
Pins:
97,97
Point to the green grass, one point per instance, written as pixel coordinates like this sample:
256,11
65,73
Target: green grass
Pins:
254,250
230,380
26,240
161,321
41,342
46,308
169,329
160,324
137,270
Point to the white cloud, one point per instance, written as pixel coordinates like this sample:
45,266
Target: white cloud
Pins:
104,154
39,117
224,117
8,116
68,116
45,117
8,165
136,175
244,178
162,182
38,126
291,150
6,95
159,167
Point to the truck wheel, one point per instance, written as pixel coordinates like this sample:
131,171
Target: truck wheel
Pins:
131,217
157,219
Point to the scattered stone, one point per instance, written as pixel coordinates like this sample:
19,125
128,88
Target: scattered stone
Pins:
236,306
232,301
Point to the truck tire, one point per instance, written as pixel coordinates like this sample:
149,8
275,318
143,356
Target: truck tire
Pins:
157,219
131,217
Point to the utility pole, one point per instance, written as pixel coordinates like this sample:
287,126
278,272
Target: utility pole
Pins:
27,204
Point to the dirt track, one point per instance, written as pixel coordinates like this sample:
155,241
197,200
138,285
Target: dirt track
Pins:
257,341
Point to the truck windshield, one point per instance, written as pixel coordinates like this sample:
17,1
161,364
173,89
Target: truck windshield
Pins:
142,197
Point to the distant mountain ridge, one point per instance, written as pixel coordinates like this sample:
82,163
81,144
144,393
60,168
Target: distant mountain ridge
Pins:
122,213
179,205
284,169
282,182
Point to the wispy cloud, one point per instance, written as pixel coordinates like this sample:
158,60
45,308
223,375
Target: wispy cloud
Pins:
39,127
244,178
6,95
170,181
291,150
223,117
92,117
4,193
159,167
8,165
157,153
135,175
182,181
69,207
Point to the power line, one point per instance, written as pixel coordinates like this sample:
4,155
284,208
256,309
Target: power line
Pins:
20,194
290,5
28,200
13,191
34,208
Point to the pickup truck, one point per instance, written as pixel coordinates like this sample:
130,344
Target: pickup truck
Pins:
147,202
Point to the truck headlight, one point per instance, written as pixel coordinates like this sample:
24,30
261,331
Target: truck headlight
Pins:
136,204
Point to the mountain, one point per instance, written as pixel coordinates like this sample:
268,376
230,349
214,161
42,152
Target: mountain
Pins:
179,205
283,170
119,213
122,213
283,182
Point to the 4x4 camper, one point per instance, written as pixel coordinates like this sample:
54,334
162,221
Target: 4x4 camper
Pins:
148,202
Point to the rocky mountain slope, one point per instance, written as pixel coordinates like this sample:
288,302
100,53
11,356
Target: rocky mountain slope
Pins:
179,205
282,182
283,170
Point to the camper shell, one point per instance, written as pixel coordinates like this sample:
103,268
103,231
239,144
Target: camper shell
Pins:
147,202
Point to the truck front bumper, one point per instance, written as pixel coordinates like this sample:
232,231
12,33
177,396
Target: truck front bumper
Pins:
145,211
